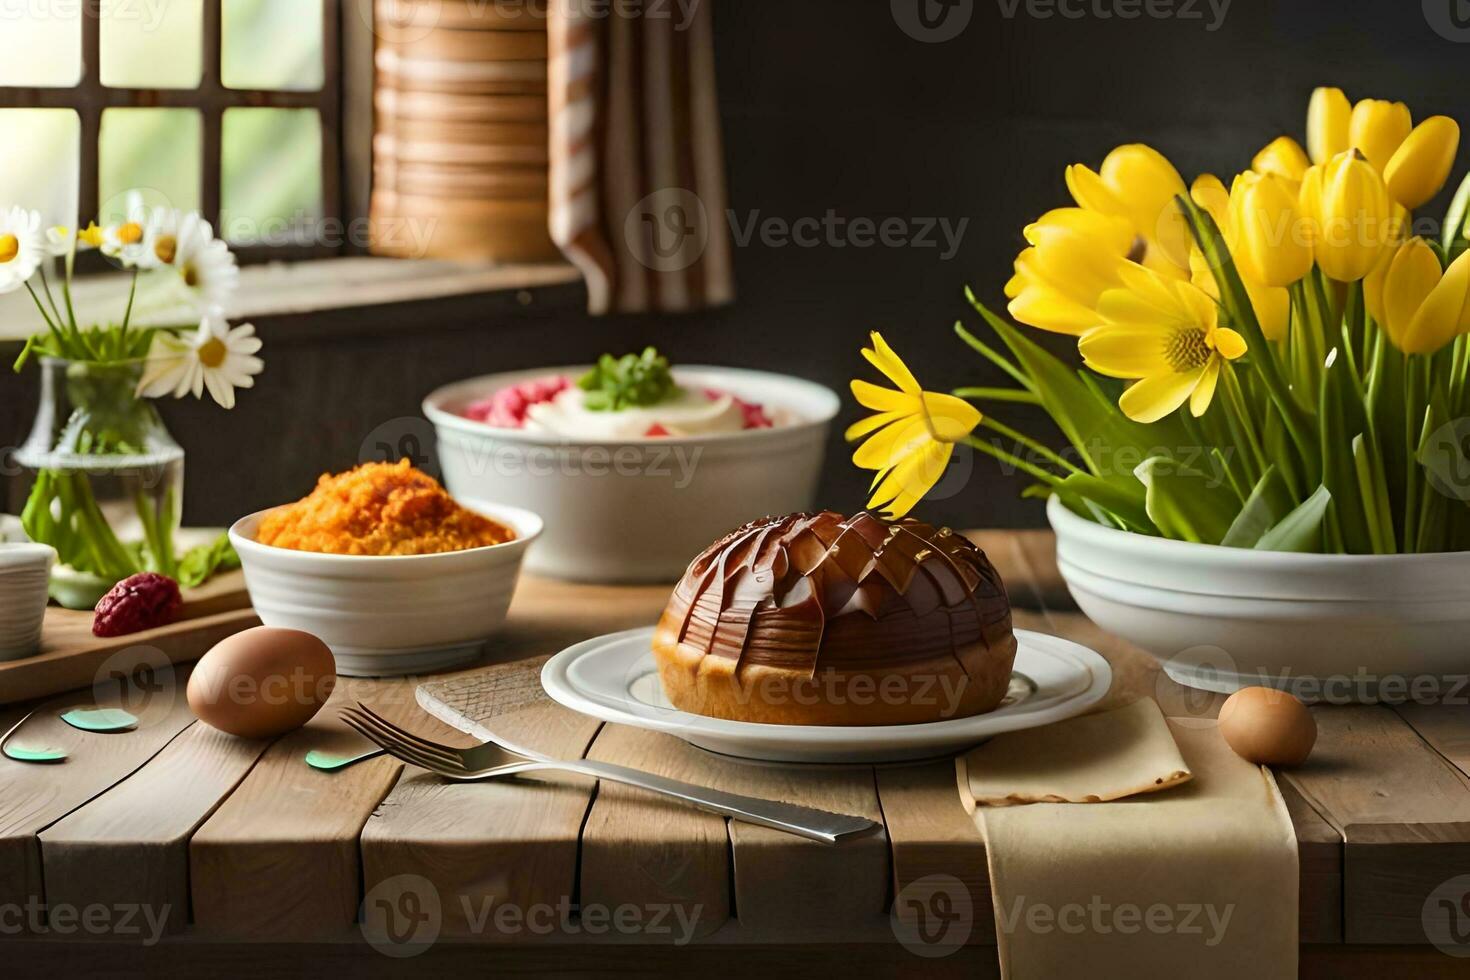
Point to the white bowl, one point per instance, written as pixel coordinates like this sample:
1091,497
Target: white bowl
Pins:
1328,628
25,576
392,615
638,510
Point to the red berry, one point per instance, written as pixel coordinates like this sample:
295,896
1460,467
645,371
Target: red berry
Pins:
138,603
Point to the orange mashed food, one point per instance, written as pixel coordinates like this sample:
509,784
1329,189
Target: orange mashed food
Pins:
379,509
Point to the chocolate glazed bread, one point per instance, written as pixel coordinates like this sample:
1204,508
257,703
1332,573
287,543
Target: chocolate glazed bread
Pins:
817,619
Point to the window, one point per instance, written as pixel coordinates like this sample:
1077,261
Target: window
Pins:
230,107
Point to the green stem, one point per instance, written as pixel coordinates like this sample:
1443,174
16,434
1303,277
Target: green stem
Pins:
1049,478
1029,443
998,395
128,313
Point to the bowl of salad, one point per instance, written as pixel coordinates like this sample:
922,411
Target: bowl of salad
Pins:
633,465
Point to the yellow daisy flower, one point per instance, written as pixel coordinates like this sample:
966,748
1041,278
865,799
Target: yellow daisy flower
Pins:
1164,335
912,436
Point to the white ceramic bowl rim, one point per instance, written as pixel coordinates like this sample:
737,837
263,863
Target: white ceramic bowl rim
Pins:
1146,545
19,554
527,525
435,410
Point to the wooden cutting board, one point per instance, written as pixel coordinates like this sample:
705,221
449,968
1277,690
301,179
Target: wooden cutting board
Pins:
71,657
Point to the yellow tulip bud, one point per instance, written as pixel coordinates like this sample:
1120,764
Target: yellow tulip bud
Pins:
1377,128
1284,157
1327,124
1420,308
1138,183
1421,164
1266,237
1209,193
1349,215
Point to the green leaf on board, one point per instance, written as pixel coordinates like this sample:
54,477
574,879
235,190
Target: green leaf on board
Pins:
105,720
1302,529
1186,504
20,753
201,562
1268,503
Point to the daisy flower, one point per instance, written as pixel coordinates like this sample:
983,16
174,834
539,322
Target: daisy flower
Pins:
60,239
910,438
205,264
215,357
22,247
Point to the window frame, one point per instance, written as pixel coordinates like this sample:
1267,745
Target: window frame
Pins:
89,98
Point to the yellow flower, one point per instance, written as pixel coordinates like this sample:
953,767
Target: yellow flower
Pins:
1421,164
1328,117
1073,256
1271,303
1349,215
1266,237
912,436
1420,307
1283,157
1165,334
1377,127
1137,183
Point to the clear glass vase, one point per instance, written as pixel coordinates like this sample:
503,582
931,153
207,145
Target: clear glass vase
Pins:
105,479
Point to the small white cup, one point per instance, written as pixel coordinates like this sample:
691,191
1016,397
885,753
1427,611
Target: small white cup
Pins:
25,573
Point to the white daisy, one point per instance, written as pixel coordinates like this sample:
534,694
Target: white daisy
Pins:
215,357
60,239
22,247
124,241
162,228
205,264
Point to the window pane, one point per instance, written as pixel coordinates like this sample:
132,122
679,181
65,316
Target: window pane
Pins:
272,44
41,46
42,162
271,170
156,151
152,45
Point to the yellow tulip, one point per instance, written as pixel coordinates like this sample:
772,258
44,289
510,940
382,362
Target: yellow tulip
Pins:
1267,238
1350,218
1139,184
1377,127
1420,307
1328,116
1421,164
1283,157
1073,256
1163,334
1272,303
912,436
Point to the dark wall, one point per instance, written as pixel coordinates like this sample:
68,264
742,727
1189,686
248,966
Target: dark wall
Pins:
831,105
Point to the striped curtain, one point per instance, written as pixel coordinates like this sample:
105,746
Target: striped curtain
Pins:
638,198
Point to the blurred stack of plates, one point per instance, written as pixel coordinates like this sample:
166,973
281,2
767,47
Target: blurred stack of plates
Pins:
460,157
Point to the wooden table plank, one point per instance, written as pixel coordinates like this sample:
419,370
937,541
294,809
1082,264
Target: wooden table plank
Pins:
1404,814
936,847
279,859
484,846
33,797
1319,858
647,852
130,846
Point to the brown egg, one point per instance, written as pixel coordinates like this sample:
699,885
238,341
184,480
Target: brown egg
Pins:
262,682
1268,727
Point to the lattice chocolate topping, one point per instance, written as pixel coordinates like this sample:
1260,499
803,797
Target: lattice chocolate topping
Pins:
821,591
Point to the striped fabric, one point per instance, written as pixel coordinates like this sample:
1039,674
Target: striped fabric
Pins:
638,196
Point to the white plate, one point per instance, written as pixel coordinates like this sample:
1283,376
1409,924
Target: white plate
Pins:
615,678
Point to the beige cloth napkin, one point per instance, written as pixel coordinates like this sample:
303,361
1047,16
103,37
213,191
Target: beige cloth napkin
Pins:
1199,881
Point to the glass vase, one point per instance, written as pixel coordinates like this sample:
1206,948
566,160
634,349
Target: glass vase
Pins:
105,479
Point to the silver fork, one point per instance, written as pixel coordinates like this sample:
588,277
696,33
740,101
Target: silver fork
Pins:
490,761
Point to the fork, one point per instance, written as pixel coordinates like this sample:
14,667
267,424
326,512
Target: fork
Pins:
491,760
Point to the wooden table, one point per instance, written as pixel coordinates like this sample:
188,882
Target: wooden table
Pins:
245,858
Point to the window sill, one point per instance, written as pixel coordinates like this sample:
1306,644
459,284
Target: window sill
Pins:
292,289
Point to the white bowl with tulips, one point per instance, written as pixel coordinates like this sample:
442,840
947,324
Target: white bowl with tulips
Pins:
1265,477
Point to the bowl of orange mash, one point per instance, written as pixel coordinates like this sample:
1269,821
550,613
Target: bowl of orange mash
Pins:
388,569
